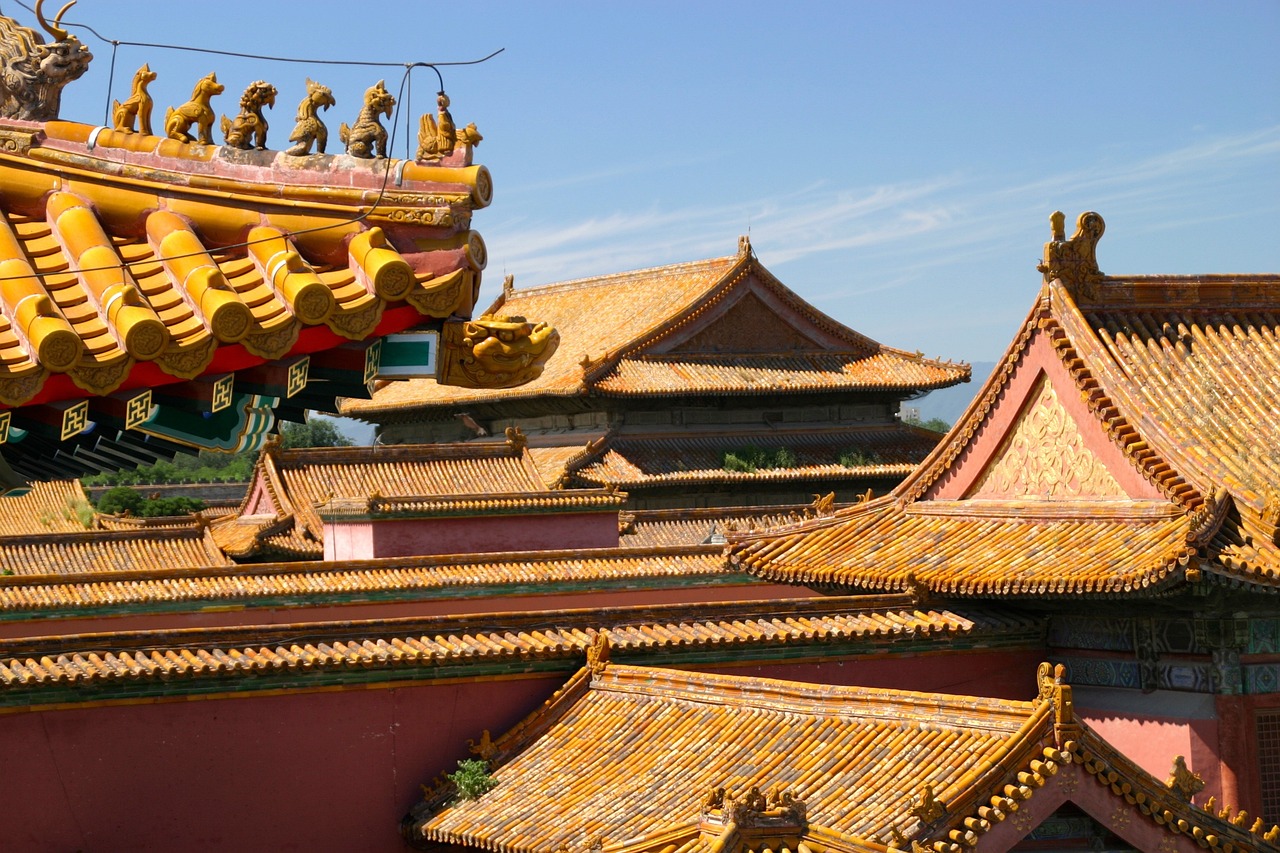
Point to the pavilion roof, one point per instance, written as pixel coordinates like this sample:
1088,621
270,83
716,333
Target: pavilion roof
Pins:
291,489
424,647
722,326
627,758
636,460
36,591
108,552
1126,442
688,526
48,506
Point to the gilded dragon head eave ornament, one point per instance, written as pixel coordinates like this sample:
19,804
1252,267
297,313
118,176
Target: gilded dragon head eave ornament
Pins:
33,73
491,352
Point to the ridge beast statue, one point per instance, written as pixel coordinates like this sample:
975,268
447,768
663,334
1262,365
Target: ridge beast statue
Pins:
438,137
32,73
367,138
309,127
249,130
138,105
178,120
495,352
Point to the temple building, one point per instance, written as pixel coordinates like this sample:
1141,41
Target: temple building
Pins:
703,384
1117,474
163,293
1057,632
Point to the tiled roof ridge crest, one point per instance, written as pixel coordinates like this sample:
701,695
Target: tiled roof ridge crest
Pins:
1070,335
605,280
595,369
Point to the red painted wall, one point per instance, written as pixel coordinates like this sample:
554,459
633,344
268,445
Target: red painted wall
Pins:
308,771
330,770
1152,742
476,535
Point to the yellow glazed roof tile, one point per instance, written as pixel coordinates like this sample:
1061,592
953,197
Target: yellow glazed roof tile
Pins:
686,760
35,588
49,507
485,639
128,261
617,333
1177,373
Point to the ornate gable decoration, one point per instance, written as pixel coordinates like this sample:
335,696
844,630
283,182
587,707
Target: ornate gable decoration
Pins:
1044,457
749,326
1074,261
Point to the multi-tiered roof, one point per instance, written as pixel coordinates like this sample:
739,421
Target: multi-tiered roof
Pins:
159,291
629,759
715,334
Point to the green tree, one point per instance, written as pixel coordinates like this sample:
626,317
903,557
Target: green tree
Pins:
933,424
316,432
120,500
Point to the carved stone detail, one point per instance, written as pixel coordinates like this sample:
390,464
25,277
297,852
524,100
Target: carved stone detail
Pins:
357,325
32,73
494,353
189,362
1044,457
197,111
275,343
367,138
17,390
138,105
442,216
309,127
102,379
1074,261
249,130
16,141
440,297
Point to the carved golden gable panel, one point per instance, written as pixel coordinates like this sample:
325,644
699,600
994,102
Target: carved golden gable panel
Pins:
1044,457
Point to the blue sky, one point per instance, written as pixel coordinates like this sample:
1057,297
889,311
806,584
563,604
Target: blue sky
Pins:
895,163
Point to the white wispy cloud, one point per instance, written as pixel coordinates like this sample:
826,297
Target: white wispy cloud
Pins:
948,219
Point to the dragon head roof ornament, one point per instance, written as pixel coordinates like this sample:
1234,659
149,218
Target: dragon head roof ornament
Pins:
33,73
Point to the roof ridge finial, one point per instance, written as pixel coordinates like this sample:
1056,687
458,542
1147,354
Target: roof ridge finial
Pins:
744,247
1052,679
1074,261
598,652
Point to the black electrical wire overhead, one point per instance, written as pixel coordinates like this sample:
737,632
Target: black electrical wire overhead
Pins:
395,120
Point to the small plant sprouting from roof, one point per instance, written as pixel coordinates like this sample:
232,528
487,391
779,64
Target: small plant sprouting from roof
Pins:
472,779
858,457
81,510
750,459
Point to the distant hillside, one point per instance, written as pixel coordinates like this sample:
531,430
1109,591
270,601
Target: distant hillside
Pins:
950,403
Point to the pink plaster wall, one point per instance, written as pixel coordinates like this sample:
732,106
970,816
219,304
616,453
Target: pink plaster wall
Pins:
307,771
475,535
1039,358
326,770
1151,742
342,541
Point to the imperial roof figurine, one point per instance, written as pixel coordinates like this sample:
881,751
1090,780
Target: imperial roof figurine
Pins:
159,293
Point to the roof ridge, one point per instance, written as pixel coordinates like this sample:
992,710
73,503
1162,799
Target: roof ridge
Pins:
1070,333
611,278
